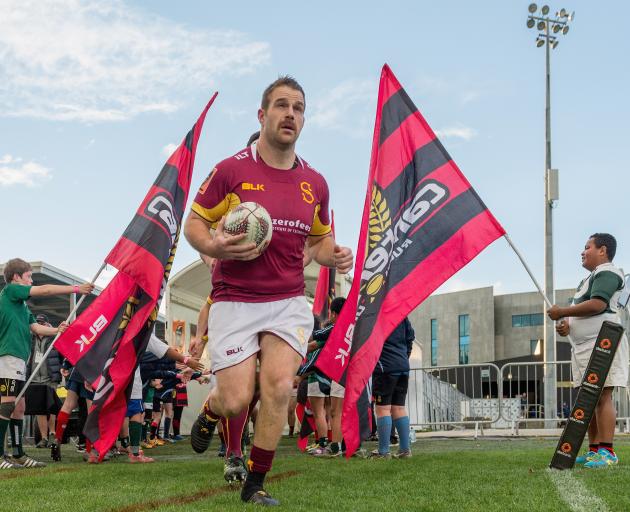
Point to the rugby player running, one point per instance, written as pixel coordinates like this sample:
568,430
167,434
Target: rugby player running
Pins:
259,308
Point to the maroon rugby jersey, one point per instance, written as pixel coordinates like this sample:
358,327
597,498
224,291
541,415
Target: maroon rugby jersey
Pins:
297,201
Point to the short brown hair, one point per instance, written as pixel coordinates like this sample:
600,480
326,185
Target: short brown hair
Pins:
286,80
15,266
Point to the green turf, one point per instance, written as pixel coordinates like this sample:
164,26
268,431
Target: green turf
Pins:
444,475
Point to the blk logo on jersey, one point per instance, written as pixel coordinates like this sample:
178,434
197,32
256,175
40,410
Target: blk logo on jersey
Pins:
232,351
259,187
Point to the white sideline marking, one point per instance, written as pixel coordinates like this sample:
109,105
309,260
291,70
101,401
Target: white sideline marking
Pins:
574,493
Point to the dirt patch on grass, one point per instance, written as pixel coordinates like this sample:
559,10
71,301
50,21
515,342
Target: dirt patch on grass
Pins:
191,498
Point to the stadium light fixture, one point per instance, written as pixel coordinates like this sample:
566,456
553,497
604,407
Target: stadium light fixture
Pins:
547,26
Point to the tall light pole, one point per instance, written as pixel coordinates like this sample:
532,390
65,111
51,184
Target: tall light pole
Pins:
548,26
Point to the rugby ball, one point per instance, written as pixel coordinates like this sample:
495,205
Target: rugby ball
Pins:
252,220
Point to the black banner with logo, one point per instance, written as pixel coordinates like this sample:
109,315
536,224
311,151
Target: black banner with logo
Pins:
588,395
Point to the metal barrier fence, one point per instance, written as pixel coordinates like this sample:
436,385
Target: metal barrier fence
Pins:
485,396
446,396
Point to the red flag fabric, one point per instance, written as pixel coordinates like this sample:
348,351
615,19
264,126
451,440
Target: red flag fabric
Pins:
306,420
325,289
115,329
422,222
99,322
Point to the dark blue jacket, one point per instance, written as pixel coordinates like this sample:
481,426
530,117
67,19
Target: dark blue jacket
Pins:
397,350
153,368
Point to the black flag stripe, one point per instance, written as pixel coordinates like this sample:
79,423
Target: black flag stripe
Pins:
144,233
425,160
167,179
397,108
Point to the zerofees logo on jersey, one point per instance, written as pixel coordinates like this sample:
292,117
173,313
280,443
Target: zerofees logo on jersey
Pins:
387,239
291,226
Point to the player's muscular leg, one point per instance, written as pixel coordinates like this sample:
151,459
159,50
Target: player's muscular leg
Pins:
278,366
235,388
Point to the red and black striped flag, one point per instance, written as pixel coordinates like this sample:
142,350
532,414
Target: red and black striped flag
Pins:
115,329
422,222
325,289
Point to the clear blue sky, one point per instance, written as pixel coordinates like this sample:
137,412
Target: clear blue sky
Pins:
91,94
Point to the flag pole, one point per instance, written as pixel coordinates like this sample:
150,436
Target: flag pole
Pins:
52,345
547,301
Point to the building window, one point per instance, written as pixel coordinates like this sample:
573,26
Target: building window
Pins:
434,342
464,338
529,320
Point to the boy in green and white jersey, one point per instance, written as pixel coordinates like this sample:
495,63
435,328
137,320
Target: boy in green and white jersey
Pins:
16,326
594,302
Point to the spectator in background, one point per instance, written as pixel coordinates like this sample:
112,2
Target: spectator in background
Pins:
41,396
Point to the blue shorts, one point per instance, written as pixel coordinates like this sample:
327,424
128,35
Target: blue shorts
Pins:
134,407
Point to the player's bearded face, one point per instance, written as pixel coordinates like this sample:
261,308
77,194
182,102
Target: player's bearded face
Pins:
283,119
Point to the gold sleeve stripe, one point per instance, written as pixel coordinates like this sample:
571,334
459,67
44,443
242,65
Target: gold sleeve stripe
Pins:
209,301
214,215
319,229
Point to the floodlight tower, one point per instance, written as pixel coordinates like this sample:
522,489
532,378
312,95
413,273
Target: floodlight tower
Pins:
548,26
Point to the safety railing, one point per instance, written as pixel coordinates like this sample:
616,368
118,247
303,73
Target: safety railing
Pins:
486,396
447,397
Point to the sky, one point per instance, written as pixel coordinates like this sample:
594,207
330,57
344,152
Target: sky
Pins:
95,95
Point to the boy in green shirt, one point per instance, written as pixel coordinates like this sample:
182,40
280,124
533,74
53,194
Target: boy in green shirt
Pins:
16,326
595,301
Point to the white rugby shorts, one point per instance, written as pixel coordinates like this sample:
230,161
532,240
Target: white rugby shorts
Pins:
336,390
618,374
234,328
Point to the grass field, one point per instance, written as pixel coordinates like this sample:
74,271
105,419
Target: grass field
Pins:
444,475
